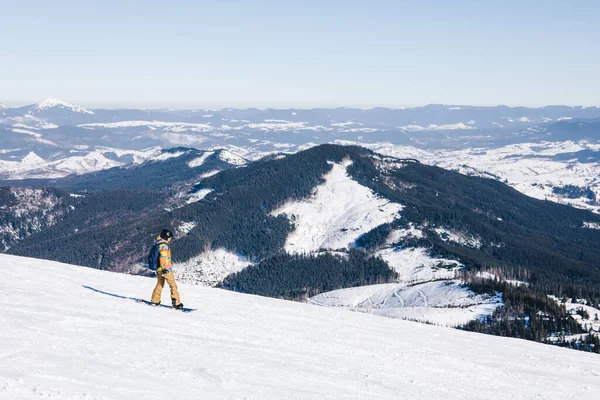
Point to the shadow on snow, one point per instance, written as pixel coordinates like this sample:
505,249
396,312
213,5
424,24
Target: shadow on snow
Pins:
136,299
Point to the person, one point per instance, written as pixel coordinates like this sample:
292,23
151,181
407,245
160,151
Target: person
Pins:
164,273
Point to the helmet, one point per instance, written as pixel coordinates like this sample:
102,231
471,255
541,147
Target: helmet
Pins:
166,234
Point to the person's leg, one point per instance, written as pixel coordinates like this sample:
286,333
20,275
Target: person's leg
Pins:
158,289
170,278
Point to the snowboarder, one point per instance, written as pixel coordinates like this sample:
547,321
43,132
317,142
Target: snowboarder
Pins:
164,273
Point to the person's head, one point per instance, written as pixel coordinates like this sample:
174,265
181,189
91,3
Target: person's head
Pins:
166,234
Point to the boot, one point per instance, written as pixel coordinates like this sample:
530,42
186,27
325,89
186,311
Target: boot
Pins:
176,306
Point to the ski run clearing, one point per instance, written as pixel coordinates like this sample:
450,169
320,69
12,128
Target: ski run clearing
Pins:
426,292
338,212
445,303
72,333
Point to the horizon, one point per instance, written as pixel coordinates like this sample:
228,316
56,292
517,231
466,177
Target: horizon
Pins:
140,107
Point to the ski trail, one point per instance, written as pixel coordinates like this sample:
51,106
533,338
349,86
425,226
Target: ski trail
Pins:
399,295
424,297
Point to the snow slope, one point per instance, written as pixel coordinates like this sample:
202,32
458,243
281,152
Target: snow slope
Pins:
172,126
426,291
534,169
73,335
33,166
211,267
445,303
54,103
338,212
414,264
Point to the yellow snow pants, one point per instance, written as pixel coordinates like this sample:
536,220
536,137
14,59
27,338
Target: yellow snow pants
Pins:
170,278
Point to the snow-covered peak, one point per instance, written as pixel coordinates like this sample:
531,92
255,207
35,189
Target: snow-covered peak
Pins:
3,106
32,159
54,103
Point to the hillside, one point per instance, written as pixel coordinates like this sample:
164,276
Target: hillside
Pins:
337,217
75,334
25,211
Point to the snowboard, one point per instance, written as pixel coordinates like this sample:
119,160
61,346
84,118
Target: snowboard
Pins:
184,309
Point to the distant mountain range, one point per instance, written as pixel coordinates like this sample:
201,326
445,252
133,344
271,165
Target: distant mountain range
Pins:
549,152
430,117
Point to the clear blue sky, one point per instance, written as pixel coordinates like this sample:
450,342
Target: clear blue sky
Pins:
215,54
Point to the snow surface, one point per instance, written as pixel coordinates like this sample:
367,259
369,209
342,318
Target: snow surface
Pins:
461,238
398,235
91,162
414,264
592,324
337,213
528,167
210,173
186,227
172,126
33,166
165,155
32,159
231,158
433,127
445,303
69,338
28,121
196,162
197,196
426,291
53,103
210,267
591,225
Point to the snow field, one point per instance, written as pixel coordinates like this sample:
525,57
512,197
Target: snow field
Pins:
196,162
414,264
69,341
51,103
338,212
515,164
210,267
172,126
445,303
231,158
33,166
197,196
589,324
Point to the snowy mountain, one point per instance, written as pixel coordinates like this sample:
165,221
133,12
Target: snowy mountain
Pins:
338,226
62,343
33,166
549,153
56,130
563,172
53,104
